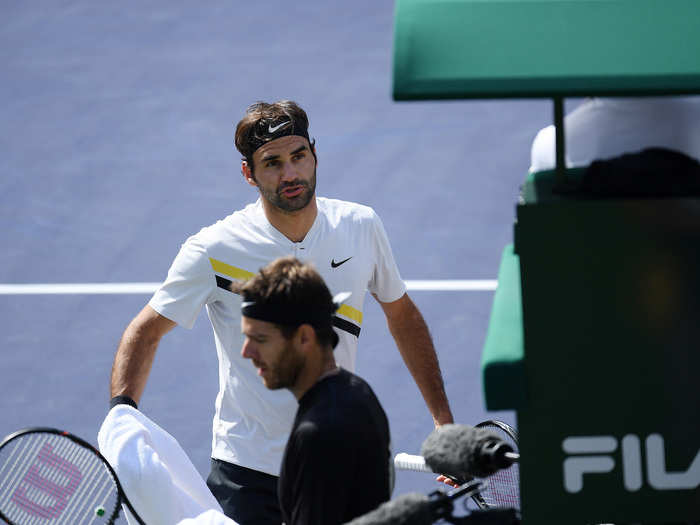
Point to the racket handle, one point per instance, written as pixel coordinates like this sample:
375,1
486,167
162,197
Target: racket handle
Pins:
403,461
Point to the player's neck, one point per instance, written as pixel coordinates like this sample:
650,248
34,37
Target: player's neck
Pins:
293,225
314,370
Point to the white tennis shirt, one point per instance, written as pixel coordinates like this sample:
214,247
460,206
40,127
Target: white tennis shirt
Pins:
347,245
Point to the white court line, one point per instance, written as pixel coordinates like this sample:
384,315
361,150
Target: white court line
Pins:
78,288
438,285
483,285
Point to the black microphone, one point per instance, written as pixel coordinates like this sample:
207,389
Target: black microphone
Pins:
409,509
464,452
416,509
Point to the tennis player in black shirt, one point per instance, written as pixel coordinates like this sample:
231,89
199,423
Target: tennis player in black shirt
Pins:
337,463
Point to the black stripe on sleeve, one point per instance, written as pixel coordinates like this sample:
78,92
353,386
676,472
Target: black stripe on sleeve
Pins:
223,283
346,326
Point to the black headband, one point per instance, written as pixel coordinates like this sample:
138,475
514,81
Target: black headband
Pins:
267,130
278,314
284,315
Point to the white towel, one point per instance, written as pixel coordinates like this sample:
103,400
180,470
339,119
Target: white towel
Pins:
210,517
157,476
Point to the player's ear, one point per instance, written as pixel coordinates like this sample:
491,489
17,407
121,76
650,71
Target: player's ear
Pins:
247,173
306,334
313,150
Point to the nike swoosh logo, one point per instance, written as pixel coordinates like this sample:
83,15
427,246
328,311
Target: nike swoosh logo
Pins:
272,129
336,264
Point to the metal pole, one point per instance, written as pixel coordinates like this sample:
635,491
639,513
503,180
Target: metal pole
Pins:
559,141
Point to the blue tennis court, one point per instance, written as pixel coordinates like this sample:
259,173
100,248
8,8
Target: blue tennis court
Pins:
116,134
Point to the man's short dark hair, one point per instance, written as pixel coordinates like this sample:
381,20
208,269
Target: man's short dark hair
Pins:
264,122
296,290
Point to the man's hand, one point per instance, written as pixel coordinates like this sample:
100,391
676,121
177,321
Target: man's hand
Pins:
447,481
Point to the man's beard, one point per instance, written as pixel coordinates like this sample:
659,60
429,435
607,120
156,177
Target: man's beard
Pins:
286,370
291,204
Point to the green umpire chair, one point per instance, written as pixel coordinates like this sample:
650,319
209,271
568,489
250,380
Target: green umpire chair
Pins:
596,320
593,341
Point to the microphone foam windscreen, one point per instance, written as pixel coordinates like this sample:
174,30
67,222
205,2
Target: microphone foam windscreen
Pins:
456,450
408,509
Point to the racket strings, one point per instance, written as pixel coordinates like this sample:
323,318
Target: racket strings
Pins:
48,478
502,489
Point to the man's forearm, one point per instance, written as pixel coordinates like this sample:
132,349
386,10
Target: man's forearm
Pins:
131,368
416,347
136,352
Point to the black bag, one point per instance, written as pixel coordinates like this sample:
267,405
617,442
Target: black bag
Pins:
653,172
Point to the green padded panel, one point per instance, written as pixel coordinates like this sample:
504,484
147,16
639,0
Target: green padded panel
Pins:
449,49
611,302
502,359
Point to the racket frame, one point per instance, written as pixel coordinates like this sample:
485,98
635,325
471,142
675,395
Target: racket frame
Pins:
502,425
121,495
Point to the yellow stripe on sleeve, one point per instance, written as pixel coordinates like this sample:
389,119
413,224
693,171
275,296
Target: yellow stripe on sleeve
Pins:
351,313
230,271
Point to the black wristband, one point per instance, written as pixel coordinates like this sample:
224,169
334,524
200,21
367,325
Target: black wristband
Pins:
122,400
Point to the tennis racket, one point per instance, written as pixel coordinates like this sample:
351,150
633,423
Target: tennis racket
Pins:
501,489
403,461
49,476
